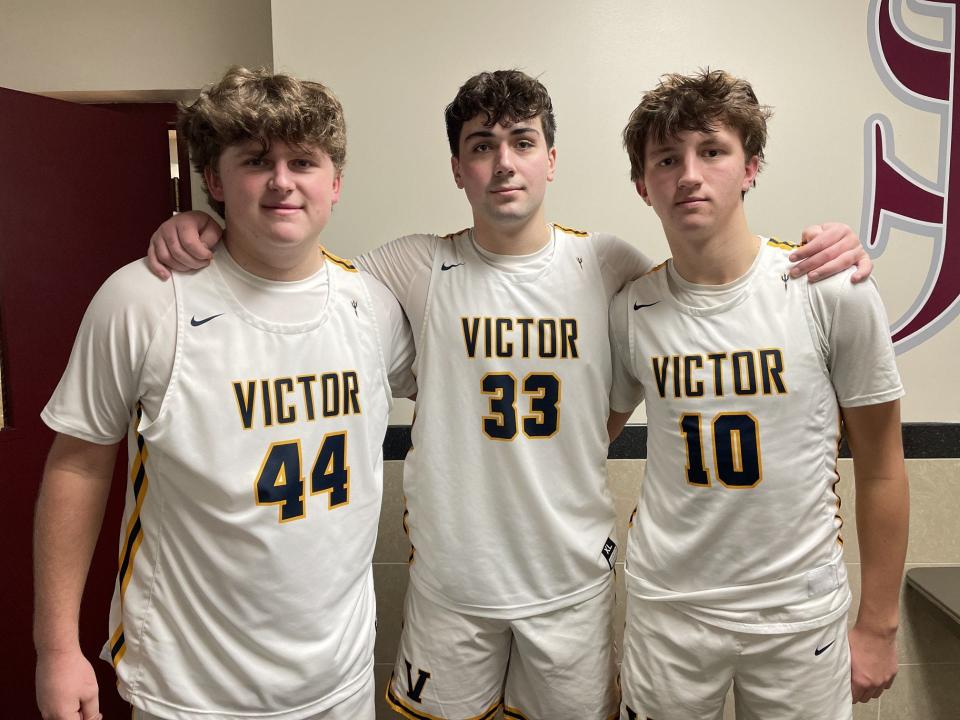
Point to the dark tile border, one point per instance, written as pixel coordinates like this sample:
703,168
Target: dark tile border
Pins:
920,440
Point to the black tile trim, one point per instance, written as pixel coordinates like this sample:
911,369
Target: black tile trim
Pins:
920,441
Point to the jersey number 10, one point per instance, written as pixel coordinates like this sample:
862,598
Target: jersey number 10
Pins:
736,450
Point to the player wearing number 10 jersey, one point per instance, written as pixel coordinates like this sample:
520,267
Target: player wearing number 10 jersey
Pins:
254,394
734,564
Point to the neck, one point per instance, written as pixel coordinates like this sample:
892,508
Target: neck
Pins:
283,264
523,238
717,258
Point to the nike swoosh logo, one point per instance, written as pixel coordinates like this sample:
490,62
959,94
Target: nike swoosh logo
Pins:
637,307
820,651
446,267
196,323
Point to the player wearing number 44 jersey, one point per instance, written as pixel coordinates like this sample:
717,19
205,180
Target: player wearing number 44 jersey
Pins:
254,395
734,564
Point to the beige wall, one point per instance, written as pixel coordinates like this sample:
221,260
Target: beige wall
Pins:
809,60
109,45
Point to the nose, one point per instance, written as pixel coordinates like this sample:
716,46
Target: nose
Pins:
505,164
691,175
280,179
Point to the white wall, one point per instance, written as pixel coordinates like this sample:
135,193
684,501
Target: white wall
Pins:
396,65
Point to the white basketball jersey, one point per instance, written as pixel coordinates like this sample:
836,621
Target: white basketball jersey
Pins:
738,514
245,582
508,508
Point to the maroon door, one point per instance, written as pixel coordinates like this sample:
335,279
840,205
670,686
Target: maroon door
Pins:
81,189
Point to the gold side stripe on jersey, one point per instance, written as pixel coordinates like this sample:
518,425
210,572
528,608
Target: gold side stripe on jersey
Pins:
117,645
345,264
133,537
134,533
571,231
394,701
777,243
836,481
406,531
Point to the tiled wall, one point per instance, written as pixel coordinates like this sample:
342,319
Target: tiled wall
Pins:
928,683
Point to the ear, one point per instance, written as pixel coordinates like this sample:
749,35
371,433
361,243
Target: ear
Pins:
551,163
337,185
214,184
642,190
751,169
455,167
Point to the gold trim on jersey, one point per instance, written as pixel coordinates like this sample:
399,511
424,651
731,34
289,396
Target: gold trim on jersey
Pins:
451,236
345,264
396,704
655,268
782,244
133,537
571,231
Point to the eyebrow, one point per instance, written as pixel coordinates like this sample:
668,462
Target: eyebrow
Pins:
514,131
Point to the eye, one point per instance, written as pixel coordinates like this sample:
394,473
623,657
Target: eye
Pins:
254,162
481,147
713,152
525,144
303,164
665,162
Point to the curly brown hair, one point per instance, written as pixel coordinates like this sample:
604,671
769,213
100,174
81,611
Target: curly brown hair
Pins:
698,103
501,96
258,105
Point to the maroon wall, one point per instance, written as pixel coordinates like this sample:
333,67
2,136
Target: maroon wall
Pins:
81,190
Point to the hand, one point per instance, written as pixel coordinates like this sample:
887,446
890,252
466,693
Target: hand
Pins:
67,687
828,249
183,243
873,663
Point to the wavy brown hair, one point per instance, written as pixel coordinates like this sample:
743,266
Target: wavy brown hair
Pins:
501,96
258,105
700,103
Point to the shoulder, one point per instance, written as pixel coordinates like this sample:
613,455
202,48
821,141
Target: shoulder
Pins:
648,286
379,293
776,253
133,292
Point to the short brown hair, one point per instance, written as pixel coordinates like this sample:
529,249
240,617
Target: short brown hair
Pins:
258,105
698,103
501,96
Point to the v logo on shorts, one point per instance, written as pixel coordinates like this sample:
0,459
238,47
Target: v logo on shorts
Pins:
415,691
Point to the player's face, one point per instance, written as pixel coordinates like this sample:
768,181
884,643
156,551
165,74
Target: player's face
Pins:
276,202
504,171
695,180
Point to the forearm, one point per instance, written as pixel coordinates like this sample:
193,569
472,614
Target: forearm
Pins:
883,511
882,525
67,522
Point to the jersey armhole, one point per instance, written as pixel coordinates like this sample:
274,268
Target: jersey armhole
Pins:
177,308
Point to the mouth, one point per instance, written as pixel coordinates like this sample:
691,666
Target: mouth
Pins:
282,208
691,202
506,191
